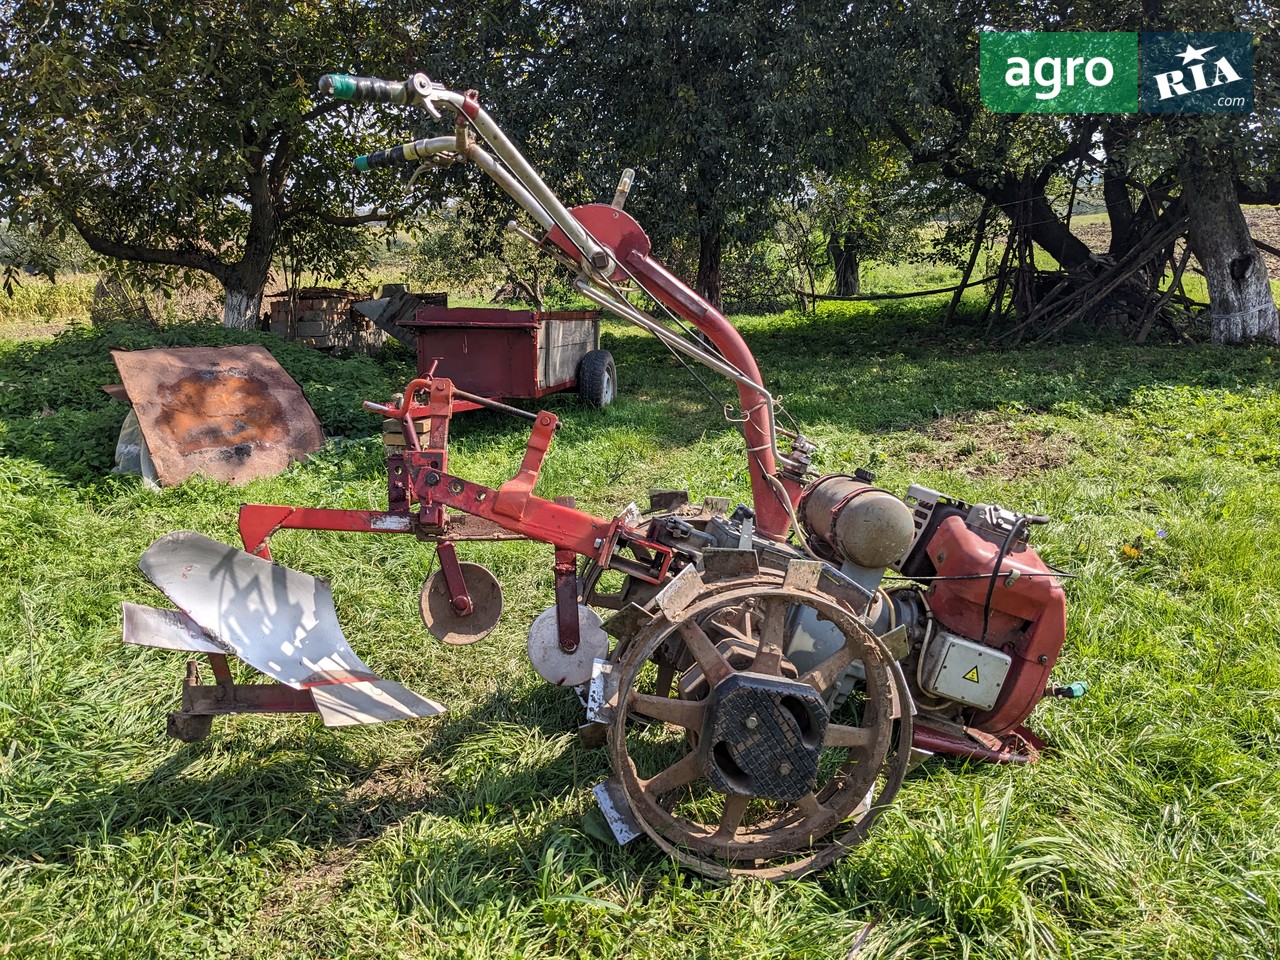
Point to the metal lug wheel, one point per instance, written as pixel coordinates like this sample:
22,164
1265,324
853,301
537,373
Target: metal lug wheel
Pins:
730,761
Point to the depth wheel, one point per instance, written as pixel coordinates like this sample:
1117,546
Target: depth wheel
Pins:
730,761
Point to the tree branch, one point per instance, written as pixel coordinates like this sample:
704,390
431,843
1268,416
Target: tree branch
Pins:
320,110
358,220
189,259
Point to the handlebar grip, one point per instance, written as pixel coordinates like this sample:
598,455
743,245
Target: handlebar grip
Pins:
366,89
391,156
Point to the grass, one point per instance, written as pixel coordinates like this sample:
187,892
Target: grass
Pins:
38,308
1154,830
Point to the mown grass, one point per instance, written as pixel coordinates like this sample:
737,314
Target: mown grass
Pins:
1154,830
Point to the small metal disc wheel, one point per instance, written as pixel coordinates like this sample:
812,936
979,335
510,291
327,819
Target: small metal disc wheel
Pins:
448,625
732,761
597,379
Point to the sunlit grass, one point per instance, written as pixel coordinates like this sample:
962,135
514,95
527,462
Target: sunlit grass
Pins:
1152,831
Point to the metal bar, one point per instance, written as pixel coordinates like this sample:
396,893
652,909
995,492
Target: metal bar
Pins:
494,405
258,522
513,495
514,189
548,522
772,518
459,597
567,598
523,171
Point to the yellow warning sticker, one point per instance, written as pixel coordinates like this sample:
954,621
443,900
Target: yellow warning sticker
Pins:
972,674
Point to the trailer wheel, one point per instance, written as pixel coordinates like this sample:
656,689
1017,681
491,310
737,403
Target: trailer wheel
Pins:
597,379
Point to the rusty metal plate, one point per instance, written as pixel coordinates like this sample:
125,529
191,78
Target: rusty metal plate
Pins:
229,413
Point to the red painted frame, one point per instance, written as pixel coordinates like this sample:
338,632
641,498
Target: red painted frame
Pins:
419,477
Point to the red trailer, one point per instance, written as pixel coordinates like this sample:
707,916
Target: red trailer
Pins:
515,354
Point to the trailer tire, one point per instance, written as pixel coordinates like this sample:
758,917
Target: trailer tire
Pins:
597,379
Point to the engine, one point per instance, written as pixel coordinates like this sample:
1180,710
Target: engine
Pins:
974,617
979,629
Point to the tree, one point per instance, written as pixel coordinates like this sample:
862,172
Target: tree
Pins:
1152,171
713,104
185,136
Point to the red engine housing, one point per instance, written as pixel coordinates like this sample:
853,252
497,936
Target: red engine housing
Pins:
1028,617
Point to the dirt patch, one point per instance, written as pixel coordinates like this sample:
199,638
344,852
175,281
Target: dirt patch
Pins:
406,788
984,445
386,796
315,885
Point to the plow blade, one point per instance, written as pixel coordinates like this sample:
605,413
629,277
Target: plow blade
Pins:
279,621
166,629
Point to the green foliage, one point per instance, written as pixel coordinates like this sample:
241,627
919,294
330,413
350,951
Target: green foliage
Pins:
45,252
1151,831
715,134
449,253
186,137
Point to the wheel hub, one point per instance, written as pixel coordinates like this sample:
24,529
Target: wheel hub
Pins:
763,736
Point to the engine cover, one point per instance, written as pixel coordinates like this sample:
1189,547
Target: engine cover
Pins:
1027,621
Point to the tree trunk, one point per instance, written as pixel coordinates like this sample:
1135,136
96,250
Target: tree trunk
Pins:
844,257
710,252
240,309
244,286
1240,297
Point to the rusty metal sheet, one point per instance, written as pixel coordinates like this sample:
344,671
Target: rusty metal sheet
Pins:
229,413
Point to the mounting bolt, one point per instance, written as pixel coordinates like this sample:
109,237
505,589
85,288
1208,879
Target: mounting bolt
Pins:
784,769
751,722
599,543
1042,659
431,479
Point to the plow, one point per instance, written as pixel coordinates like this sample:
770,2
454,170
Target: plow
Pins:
762,675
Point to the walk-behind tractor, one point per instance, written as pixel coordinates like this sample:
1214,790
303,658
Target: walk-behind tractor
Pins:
760,686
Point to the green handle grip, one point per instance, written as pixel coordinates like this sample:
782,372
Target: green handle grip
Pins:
391,156
364,89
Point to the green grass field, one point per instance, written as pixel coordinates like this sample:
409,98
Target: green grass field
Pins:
1153,831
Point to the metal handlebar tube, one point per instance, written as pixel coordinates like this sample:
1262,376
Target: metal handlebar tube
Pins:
603,260
536,198
469,106
773,518
514,189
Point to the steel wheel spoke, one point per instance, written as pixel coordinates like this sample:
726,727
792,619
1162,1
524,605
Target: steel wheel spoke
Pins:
856,738
714,666
682,713
731,631
683,771
831,669
666,678
735,808
768,658
811,808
